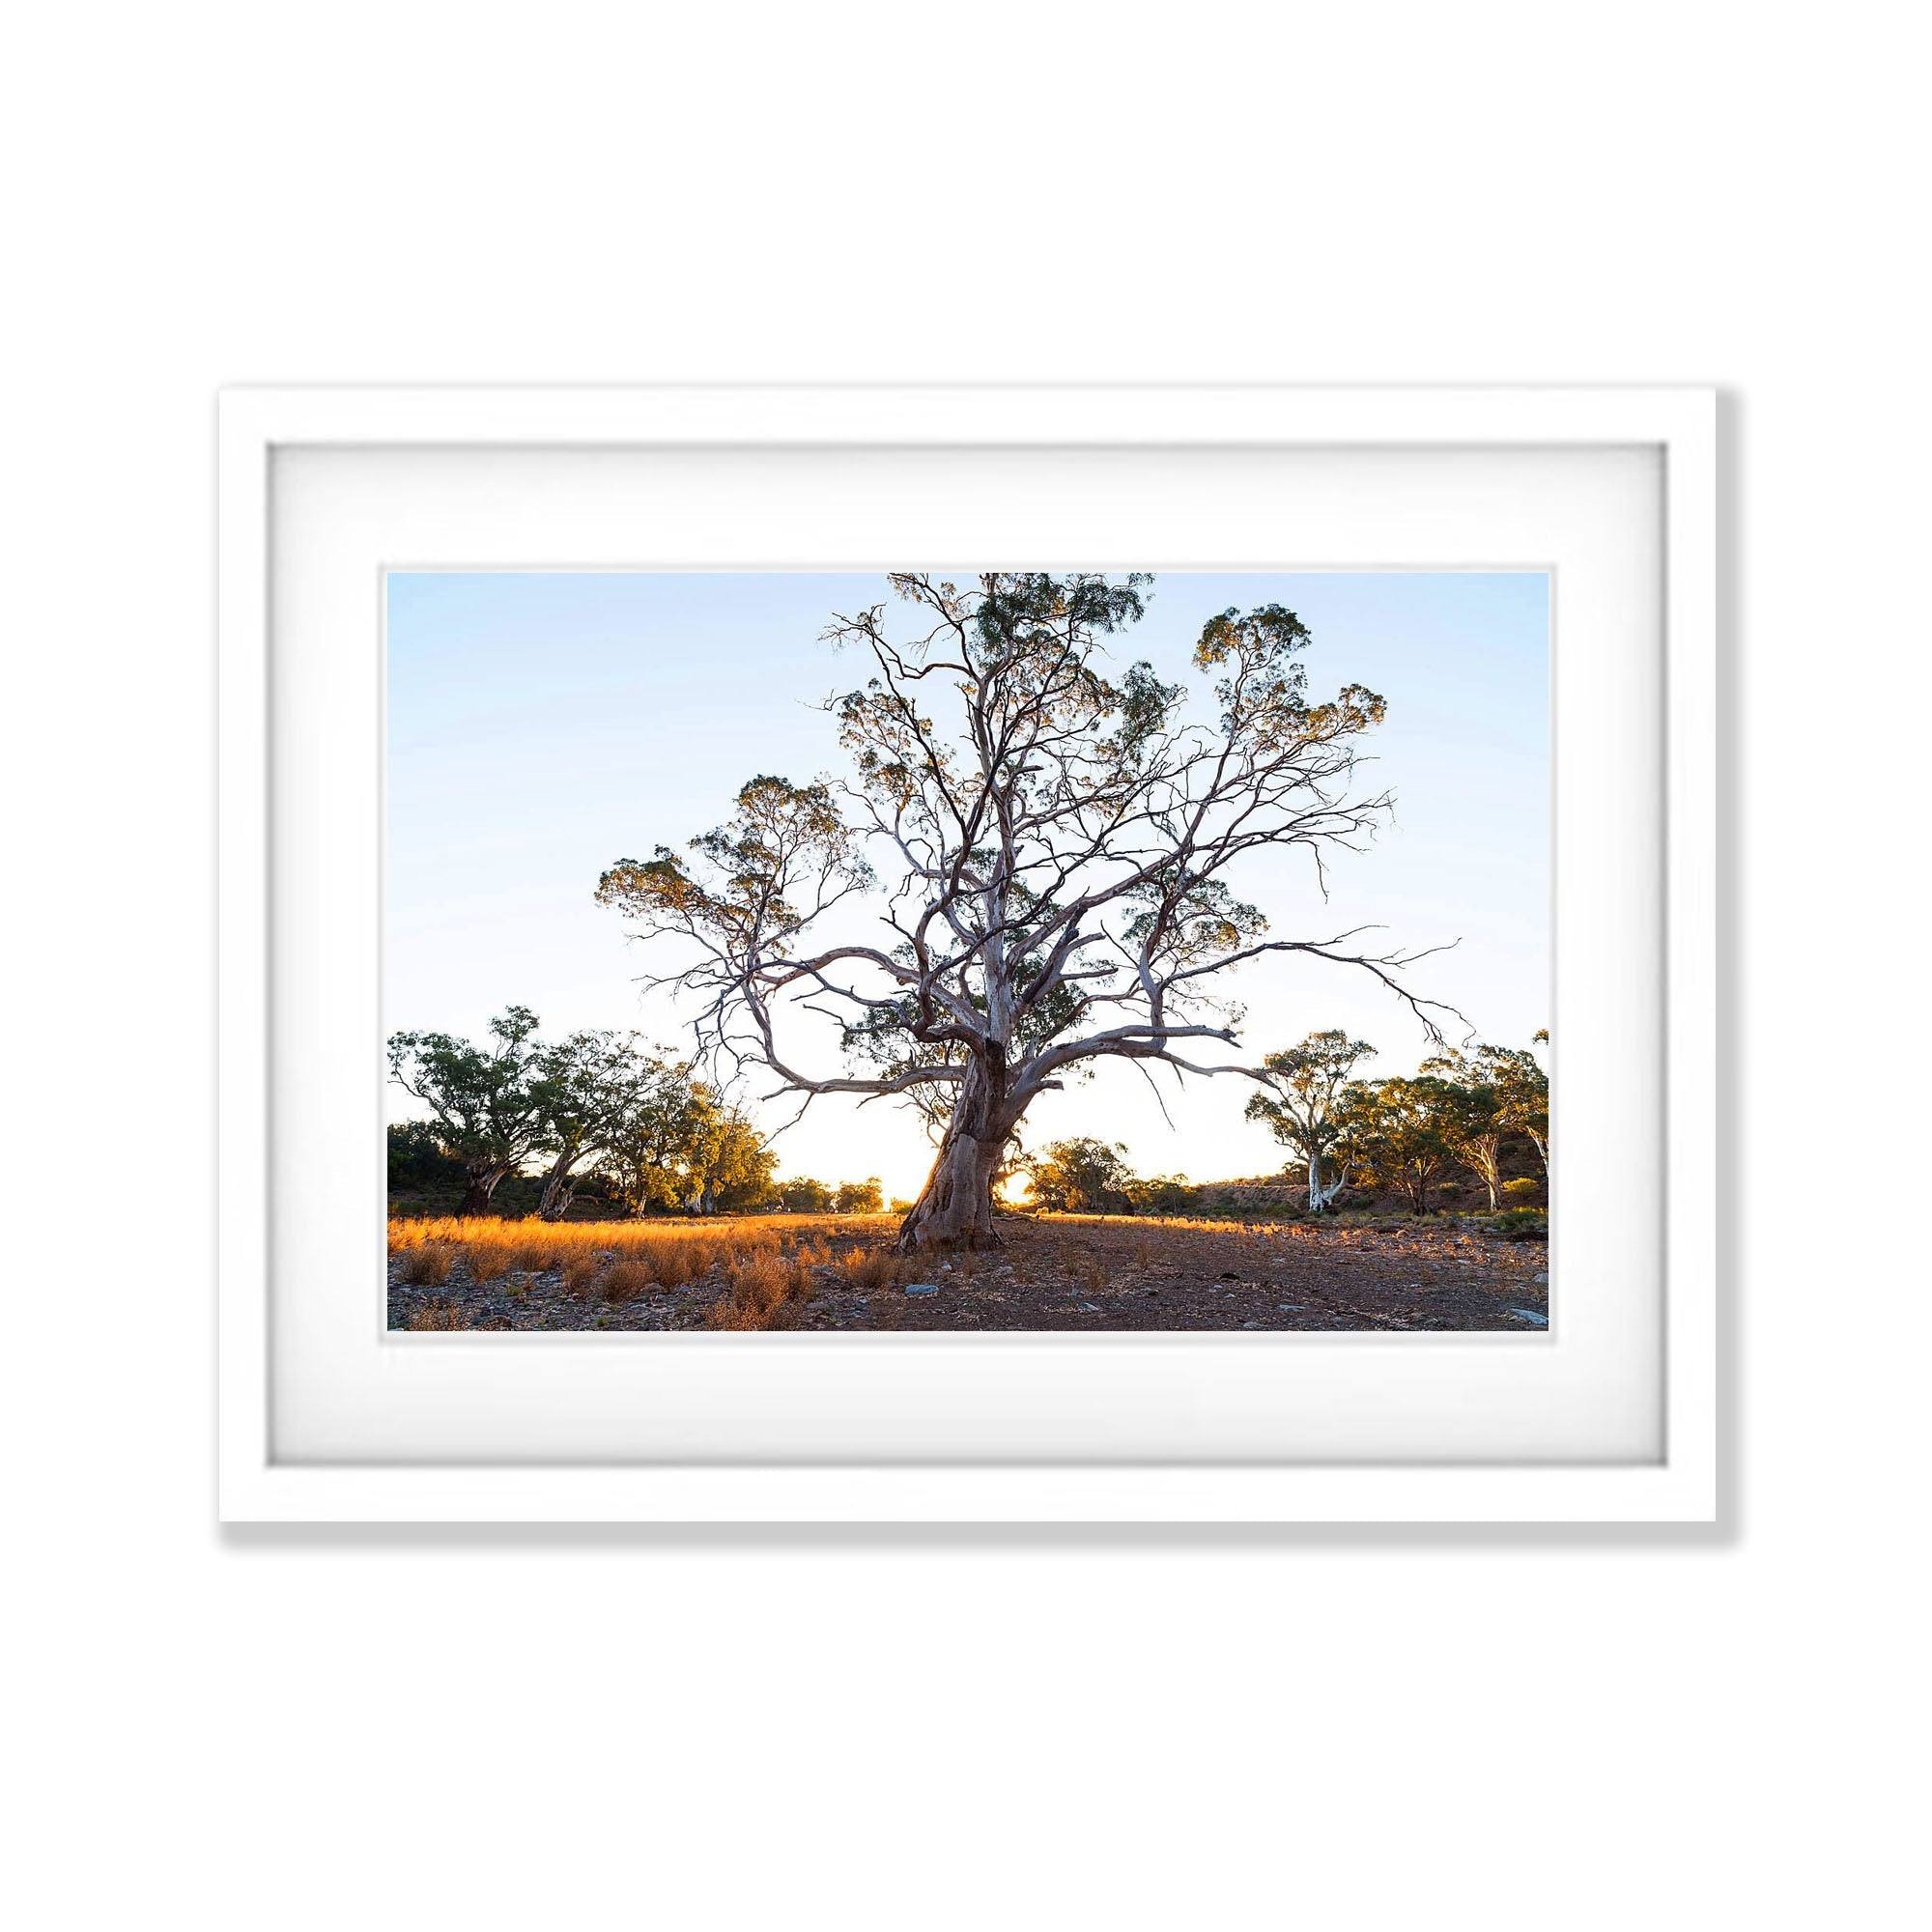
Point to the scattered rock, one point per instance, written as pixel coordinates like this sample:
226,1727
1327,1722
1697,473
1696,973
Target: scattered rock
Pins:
922,1287
1532,1315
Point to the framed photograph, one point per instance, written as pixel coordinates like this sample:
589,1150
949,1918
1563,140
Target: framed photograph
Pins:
968,955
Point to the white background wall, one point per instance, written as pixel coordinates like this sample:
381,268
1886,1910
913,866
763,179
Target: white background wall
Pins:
587,1729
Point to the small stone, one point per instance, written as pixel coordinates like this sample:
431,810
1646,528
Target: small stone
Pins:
922,1287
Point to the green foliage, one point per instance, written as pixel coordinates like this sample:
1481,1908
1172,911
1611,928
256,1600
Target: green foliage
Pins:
804,1196
1395,1134
485,1102
419,1161
1307,1110
1081,1177
1160,1194
1522,1224
860,1197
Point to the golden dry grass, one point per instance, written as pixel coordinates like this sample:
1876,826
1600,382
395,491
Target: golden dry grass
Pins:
624,1280
870,1268
486,1261
763,1292
427,1265
675,1252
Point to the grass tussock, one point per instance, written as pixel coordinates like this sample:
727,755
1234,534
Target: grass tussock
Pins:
871,1267
624,1280
427,1265
487,1261
764,1291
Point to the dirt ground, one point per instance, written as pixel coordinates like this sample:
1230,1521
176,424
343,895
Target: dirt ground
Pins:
1060,1273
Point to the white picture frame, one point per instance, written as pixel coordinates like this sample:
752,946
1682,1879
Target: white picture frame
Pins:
267,1234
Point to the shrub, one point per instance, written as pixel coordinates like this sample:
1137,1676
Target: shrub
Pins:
762,1292
487,1261
870,1268
900,1206
580,1270
427,1264
1522,1189
1522,1224
624,1280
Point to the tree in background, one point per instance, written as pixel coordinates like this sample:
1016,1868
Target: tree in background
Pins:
1081,1177
1161,1194
1303,1107
1394,1131
486,1101
860,1197
644,1158
1060,843
418,1160
1470,1115
804,1196
1524,1089
723,1161
588,1085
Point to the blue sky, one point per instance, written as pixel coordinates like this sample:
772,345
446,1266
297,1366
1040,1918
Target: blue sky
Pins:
543,725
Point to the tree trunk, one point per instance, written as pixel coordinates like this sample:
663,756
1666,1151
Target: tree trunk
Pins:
954,1209
1321,1199
559,1190
482,1183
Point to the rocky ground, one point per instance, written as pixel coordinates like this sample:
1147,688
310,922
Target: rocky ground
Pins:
1078,1275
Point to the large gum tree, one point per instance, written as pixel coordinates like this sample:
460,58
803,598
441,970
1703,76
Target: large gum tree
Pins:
1054,843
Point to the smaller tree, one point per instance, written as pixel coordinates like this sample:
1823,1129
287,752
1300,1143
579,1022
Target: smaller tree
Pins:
1523,1089
724,1160
485,1100
1304,1103
643,1154
804,1196
587,1086
1471,1115
1081,1177
860,1197
1394,1130
1161,1194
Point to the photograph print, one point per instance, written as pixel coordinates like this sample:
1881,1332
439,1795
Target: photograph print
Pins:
968,951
